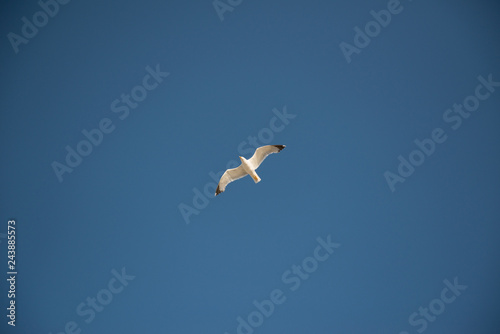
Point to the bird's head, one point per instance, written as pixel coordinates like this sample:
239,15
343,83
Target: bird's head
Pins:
241,158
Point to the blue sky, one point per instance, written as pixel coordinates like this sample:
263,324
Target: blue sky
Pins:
123,239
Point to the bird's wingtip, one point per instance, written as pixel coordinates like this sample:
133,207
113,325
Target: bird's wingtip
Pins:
218,191
280,147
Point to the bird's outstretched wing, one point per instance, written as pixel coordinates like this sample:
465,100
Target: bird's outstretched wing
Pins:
229,176
262,152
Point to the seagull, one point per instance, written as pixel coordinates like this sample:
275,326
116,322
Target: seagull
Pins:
247,167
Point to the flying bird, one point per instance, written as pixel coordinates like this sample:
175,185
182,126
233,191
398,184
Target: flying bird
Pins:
247,167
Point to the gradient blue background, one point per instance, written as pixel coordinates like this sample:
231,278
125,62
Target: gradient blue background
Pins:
120,207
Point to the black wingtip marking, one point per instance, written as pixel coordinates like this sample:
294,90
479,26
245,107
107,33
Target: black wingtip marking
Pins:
279,147
218,191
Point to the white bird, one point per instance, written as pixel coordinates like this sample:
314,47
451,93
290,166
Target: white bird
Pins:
247,167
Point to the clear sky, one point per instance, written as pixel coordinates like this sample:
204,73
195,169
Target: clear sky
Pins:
381,215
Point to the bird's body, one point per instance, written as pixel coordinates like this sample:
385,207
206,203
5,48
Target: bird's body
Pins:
247,167
250,171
